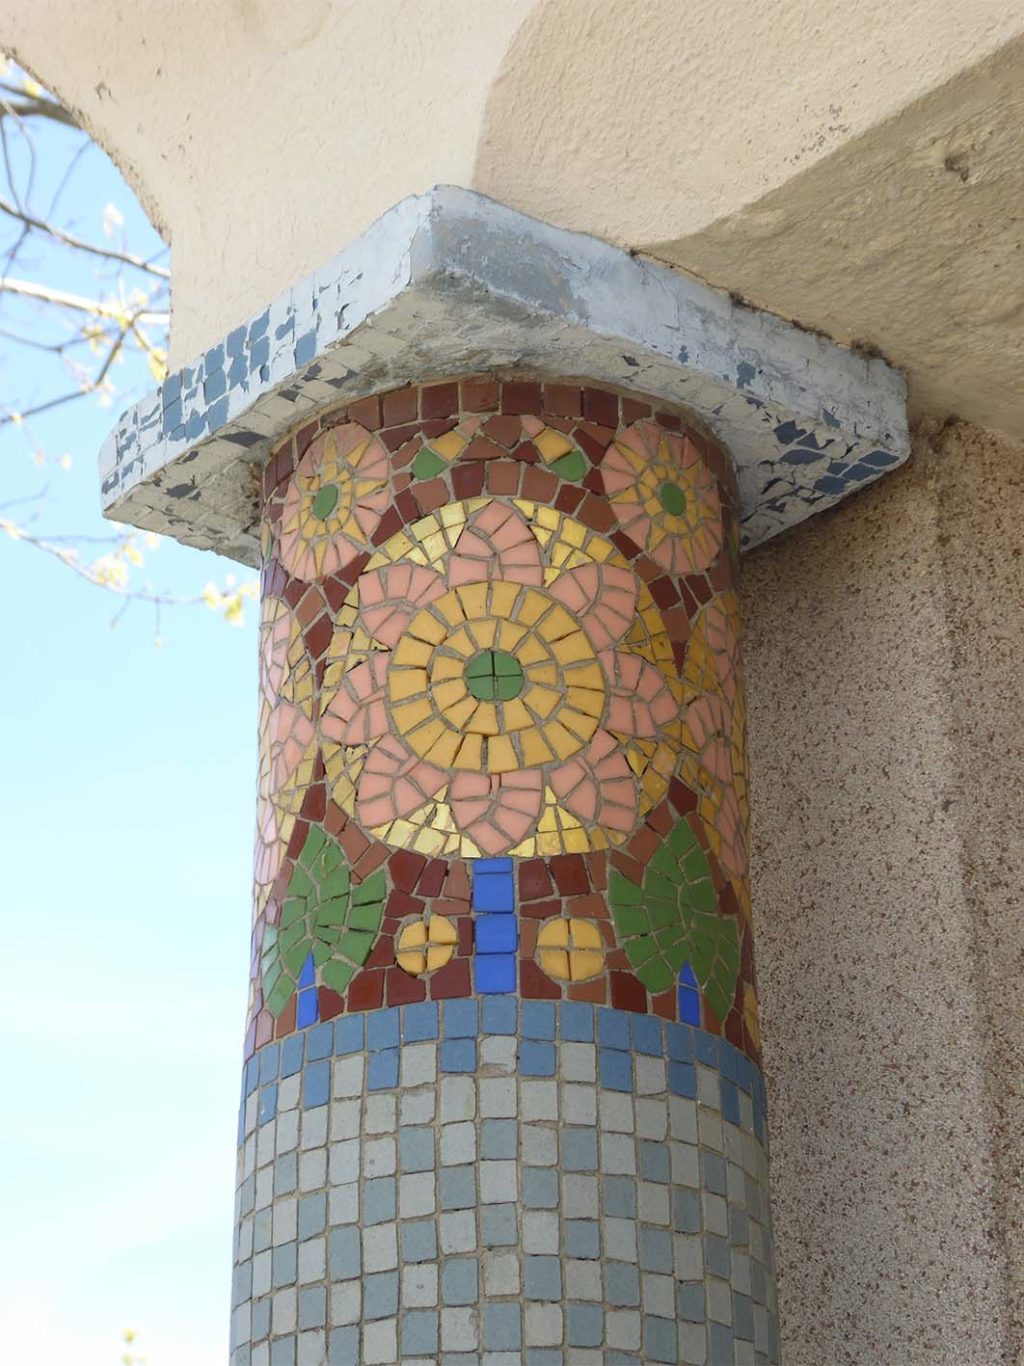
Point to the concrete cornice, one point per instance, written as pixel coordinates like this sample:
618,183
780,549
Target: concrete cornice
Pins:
449,283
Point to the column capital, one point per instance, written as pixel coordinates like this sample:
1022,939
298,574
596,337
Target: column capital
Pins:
450,283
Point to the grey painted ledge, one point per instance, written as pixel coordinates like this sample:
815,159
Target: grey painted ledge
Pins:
450,283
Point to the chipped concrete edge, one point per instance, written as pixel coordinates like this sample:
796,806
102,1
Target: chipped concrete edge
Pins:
448,283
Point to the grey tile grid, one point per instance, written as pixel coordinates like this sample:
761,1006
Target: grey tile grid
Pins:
489,1223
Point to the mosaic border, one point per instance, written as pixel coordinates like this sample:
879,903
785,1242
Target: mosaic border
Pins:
503,1215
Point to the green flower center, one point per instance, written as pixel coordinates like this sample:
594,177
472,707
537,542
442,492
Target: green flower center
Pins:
325,502
672,499
494,676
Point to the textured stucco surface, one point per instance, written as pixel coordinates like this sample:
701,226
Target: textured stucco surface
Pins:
885,713
830,161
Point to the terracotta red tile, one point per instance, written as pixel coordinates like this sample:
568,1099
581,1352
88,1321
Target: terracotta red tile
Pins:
534,879
569,498
503,429
479,395
401,406
540,910
351,571
632,410
625,545
467,480
318,636
534,984
669,421
628,867
389,524
314,802
451,981
601,406
563,399
665,1004
401,989
285,1023
592,449
298,839
597,866
480,448
366,990
439,400
366,411
627,993
370,862
539,485
394,438
643,844
438,426
464,929
503,477
520,396
405,868
570,874
401,904
595,513
594,991
431,880
329,1003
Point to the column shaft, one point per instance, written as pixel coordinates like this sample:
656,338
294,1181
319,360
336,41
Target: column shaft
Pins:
502,1098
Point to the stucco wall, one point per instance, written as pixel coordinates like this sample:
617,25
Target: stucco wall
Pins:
828,160
885,709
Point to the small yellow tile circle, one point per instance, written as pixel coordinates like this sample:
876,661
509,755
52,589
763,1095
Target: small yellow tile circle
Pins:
570,950
425,945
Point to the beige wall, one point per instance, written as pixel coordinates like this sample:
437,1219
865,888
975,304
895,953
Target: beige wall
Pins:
830,161
885,642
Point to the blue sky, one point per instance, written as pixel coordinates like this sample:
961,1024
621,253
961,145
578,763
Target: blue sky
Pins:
126,805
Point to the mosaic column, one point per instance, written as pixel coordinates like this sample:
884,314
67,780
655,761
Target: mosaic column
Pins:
502,1099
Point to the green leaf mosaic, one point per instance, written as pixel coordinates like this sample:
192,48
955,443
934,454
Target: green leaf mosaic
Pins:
324,913
672,918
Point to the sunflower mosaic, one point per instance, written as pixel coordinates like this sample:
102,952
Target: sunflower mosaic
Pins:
501,719
511,661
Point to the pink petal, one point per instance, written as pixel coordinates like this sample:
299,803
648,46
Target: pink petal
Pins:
394,783
390,597
640,701
497,812
598,785
602,596
496,543
356,713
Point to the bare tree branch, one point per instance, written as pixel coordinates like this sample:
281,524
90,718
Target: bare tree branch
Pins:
26,289
79,243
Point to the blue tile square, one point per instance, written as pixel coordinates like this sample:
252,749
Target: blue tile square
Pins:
316,1084
382,1073
706,1046
577,1022
495,973
494,893
251,1077
270,1061
460,1019
267,1104
613,1029
687,977
307,1010
291,1055
320,1042
679,1039
538,1020
496,934
348,1034
307,977
682,1079
419,1021
458,1055
689,1006
499,1016
492,865
615,1069
729,1060
536,1059
382,1029
647,1038
730,1102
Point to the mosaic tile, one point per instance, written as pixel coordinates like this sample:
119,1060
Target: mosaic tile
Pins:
515,695
575,1252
